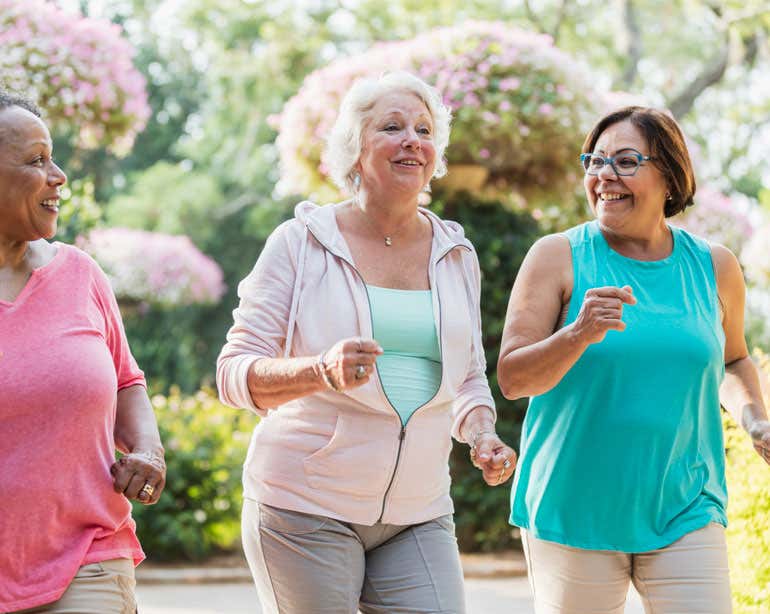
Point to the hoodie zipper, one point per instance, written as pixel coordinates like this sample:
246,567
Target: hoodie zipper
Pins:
402,430
402,434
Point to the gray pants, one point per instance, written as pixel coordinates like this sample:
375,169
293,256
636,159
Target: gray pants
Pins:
308,564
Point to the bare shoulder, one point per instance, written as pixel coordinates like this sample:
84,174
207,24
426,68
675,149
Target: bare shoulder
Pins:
551,250
727,269
549,261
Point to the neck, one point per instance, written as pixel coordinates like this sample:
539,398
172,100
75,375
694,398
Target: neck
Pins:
653,245
388,216
13,253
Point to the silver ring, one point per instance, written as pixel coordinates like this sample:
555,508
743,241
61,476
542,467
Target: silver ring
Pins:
507,464
360,371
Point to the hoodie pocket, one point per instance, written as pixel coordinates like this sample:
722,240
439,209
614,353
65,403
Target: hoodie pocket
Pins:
356,461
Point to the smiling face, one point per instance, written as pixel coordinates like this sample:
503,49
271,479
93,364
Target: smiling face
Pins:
626,204
398,154
29,178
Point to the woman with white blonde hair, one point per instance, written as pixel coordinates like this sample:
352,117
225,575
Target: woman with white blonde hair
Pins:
358,341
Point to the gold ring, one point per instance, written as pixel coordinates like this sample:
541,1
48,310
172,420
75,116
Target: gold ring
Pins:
148,489
500,477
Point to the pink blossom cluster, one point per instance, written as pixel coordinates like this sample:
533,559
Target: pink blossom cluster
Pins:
718,218
79,69
521,106
155,268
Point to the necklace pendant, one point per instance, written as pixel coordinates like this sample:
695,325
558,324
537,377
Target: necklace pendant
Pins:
388,241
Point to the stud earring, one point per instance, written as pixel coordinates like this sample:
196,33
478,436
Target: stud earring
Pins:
356,180
668,195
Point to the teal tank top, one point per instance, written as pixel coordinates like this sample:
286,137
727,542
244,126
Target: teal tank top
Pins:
626,453
410,366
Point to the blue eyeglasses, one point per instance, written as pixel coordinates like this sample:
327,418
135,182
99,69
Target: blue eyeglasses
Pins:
624,164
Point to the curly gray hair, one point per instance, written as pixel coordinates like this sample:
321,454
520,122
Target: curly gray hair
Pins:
343,147
7,99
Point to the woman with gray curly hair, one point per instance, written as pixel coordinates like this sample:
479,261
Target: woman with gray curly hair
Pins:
358,341
71,394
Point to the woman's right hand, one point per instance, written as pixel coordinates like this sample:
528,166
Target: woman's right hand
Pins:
349,363
602,310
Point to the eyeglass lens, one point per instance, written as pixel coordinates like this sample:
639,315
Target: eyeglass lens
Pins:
623,164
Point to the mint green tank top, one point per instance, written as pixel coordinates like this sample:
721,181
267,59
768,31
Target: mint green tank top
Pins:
626,452
410,366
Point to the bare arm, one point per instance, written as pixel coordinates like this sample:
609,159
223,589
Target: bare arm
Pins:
741,392
136,435
534,358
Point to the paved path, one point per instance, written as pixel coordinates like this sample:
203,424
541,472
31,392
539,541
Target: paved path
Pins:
494,596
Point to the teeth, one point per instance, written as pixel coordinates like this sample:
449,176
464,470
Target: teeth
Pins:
612,196
50,203
409,162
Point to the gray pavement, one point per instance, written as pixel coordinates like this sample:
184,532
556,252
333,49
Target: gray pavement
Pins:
484,596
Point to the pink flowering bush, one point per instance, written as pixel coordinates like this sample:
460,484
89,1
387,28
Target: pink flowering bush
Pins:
78,69
521,106
718,218
155,268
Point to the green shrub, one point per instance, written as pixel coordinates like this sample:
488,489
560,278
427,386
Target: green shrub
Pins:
748,532
199,511
501,238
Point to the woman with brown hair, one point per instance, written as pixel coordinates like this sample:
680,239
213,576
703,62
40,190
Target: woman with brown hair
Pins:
628,333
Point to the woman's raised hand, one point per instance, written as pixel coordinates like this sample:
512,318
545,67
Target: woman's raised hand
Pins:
349,363
602,310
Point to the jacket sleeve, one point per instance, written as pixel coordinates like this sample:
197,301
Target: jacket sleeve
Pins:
260,321
474,391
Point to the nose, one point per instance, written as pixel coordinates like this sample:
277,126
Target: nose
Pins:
411,139
56,176
607,171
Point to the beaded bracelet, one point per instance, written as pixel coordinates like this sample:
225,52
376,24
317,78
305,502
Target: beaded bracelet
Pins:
324,375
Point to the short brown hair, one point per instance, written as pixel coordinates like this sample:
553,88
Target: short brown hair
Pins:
667,147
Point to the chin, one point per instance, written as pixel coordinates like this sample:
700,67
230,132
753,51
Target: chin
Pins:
49,233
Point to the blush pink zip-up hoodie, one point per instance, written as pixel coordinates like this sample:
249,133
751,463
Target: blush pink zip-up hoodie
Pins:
346,455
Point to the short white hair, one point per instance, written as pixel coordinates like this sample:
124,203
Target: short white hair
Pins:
343,147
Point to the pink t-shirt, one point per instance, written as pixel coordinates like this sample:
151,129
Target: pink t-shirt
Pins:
63,357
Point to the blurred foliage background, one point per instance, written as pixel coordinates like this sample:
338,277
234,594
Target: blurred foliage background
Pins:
218,76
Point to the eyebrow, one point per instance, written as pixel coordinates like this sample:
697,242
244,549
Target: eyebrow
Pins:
621,150
400,114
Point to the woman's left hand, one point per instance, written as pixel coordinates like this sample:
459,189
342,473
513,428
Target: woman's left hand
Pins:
495,459
760,437
140,476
